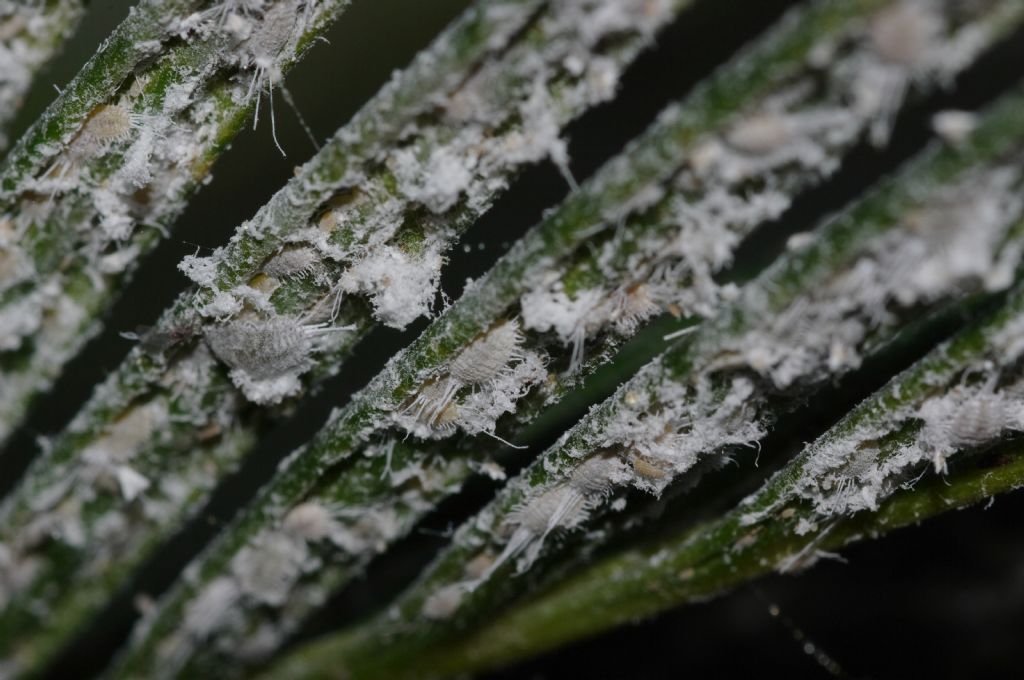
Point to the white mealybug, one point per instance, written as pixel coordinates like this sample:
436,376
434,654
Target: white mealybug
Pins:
480,363
444,602
954,127
14,266
130,482
260,54
263,349
309,521
800,241
759,134
558,508
981,419
211,607
487,356
648,470
433,406
292,262
901,34
268,567
596,475
631,307
267,355
106,125
903,38
479,565
446,422
967,418
264,46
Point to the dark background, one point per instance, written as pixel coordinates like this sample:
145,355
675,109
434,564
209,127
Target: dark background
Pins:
943,600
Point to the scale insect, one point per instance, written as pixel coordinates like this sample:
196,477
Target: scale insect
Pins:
106,125
292,262
558,508
968,418
478,365
267,355
261,54
905,38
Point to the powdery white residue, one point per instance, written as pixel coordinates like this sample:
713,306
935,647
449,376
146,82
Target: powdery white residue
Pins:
549,308
790,139
158,144
435,196
670,426
932,256
968,397
853,471
19,320
202,270
471,157
402,286
555,508
314,236
107,467
507,114
278,578
659,433
912,40
267,568
102,502
658,428
132,161
662,427
438,182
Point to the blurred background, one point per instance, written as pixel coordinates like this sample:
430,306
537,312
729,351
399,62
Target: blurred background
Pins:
942,600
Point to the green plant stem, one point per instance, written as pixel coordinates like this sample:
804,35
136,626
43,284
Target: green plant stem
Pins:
638,583
724,385
177,398
861,478
99,180
362,494
134,40
403,480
